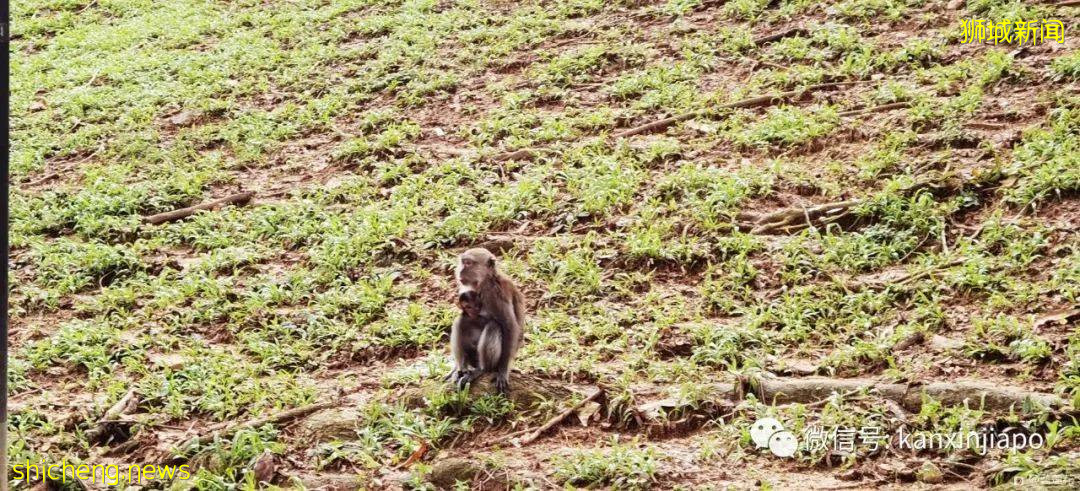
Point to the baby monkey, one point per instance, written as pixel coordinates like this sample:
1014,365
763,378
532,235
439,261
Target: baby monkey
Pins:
465,338
469,301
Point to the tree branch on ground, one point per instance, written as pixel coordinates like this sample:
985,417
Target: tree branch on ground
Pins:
794,31
758,101
238,199
875,109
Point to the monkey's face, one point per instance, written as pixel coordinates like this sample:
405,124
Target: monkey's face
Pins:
475,266
469,301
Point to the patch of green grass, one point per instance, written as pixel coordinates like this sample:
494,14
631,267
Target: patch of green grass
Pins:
577,66
622,466
602,183
745,9
1067,67
867,9
221,385
67,266
1045,163
382,137
573,273
789,125
230,463
1006,338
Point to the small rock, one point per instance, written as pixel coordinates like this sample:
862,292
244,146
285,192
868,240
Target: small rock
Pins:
799,366
587,412
183,118
656,409
265,467
497,244
942,343
172,361
329,424
447,472
332,482
929,473
703,128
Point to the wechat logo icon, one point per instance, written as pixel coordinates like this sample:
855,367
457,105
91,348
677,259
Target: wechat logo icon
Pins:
769,433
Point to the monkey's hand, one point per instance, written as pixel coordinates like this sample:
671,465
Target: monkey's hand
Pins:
452,376
465,378
502,383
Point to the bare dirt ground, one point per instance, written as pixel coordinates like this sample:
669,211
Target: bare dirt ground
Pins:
833,214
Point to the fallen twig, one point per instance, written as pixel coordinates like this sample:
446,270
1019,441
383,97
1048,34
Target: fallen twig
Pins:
918,337
169,216
126,404
762,100
794,31
44,179
793,219
522,154
986,126
417,455
926,272
899,414
559,418
875,109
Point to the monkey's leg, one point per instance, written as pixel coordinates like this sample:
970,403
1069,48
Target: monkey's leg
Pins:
491,350
460,349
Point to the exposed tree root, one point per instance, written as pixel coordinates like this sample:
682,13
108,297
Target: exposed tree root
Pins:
666,418
46,178
937,141
522,154
527,391
111,423
987,395
759,101
876,109
925,273
170,216
899,399
529,438
282,417
794,219
794,31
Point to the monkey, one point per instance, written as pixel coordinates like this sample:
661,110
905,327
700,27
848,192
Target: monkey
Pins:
501,314
465,338
469,302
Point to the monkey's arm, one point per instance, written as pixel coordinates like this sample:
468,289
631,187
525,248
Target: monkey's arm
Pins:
456,351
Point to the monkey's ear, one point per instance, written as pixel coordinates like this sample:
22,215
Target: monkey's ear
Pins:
491,262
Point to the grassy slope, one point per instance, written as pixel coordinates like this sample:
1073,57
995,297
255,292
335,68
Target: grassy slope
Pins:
366,129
